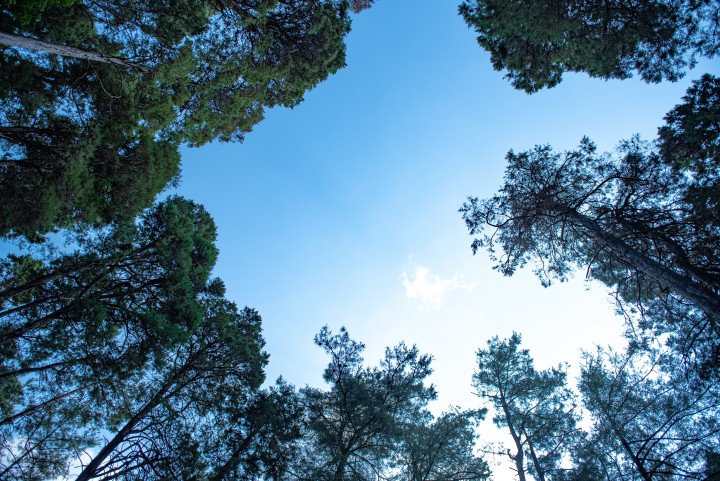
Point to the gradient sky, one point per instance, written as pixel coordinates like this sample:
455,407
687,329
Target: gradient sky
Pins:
343,211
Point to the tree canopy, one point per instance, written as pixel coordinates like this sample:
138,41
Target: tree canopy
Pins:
95,97
373,424
535,41
651,419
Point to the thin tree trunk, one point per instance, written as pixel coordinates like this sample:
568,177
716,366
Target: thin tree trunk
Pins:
519,457
340,469
46,367
32,325
11,40
233,457
536,462
699,295
89,471
40,406
628,449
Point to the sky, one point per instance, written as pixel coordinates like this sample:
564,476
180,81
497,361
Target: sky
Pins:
343,210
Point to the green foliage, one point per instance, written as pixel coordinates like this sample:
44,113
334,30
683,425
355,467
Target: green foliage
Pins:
255,439
25,12
442,449
353,430
215,370
690,142
91,141
535,407
81,330
535,42
73,150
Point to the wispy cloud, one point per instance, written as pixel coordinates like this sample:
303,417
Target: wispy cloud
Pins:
430,289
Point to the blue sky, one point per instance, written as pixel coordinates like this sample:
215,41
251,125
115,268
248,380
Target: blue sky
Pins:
343,211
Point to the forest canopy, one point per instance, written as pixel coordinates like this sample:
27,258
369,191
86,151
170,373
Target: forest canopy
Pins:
123,357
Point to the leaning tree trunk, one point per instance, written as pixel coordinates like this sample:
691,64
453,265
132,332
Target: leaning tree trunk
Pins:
698,294
11,40
90,470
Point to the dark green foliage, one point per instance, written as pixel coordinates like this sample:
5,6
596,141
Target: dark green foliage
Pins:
38,447
536,407
73,149
712,465
79,329
535,41
90,140
255,439
360,5
127,346
25,12
373,423
353,430
156,430
442,449
690,143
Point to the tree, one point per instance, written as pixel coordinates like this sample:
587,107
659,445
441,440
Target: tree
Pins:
535,406
155,437
257,439
72,149
353,429
535,41
651,420
360,5
442,450
580,209
78,328
238,57
634,220
689,142
90,124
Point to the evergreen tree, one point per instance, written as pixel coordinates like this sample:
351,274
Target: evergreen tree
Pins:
639,221
79,328
652,419
254,440
354,429
441,449
155,435
534,406
95,96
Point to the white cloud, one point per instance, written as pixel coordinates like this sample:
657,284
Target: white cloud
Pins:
429,288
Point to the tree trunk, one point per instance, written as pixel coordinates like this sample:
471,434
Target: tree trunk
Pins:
38,407
699,295
519,458
90,470
66,51
623,442
536,462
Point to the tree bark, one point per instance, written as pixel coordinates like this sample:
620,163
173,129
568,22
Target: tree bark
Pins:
536,462
699,295
28,43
